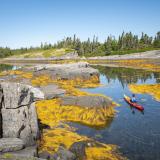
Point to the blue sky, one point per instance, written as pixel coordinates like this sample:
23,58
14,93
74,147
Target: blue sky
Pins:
30,22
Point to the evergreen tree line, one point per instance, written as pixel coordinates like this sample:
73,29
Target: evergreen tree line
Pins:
126,43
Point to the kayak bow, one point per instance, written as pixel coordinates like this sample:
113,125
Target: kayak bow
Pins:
135,105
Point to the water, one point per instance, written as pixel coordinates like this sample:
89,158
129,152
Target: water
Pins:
137,134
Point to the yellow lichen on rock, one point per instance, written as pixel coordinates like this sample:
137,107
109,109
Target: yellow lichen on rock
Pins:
50,112
152,89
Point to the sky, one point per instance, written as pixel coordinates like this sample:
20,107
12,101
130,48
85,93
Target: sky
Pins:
25,23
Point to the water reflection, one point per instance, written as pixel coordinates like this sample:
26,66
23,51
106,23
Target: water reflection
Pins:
137,133
134,110
128,75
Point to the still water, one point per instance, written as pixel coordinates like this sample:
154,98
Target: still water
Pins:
137,134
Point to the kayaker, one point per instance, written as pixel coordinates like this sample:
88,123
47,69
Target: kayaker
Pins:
133,99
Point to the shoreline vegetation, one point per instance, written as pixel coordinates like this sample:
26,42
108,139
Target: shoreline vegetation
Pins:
126,43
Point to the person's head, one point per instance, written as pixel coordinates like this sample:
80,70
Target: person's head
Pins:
133,95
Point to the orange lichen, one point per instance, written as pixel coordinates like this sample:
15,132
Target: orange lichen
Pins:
152,89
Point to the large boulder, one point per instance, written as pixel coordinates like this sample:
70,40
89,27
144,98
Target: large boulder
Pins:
17,107
80,70
86,101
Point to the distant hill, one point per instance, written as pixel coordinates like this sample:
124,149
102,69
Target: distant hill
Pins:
44,53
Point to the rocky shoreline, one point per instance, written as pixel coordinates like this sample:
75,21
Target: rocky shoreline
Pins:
19,93
154,54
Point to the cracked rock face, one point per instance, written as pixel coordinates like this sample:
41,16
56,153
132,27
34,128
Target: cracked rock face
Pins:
18,113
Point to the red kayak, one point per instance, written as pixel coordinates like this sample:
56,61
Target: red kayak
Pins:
135,105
